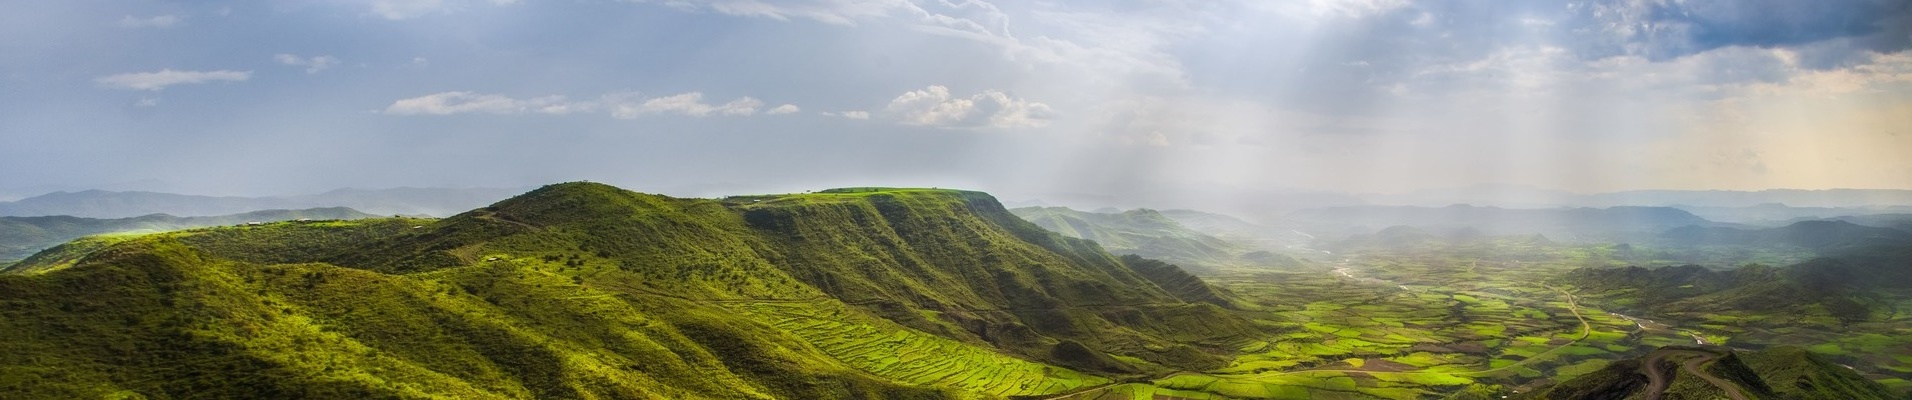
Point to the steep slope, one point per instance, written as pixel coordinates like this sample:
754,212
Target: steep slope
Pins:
1682,372
155,317
22,236
1141,231
585,290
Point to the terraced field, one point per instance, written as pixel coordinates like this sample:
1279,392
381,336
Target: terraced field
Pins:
1408,325
1879,348
891,351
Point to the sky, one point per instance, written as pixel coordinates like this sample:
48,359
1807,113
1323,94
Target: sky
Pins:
740,96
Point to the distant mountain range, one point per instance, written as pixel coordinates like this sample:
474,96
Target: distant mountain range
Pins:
1153,234
1528,197
1851,261
1774,214
1556,223
1817,235
22,236
109,204
1140,231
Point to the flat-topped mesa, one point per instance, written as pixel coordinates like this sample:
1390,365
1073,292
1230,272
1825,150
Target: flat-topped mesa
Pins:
625,276
989,275
950,262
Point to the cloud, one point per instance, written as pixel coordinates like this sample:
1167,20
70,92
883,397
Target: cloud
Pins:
448,103
407,9
312,65
956,16
159,80
623,105
848,114
1354,8
157,21
934,106
783,109
1664,29
692,104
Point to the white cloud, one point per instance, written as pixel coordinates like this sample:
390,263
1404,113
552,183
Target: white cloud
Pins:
166,77
848,114
402,9
783,109
157,21
406,9
448,103
312,65
1355,8
692,104
934,106
455,103
623,105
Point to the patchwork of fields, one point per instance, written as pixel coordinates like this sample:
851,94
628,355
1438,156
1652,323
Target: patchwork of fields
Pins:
1408,324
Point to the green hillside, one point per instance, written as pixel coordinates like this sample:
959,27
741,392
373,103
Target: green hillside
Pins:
1141,231
22,236
582,290
1684,372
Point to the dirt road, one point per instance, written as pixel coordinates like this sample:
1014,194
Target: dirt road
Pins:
1657,381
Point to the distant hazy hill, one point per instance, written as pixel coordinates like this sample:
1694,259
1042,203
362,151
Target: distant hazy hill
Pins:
1716,373
1556,223
105,204
1143,232
1239,230
1823,287
1895,221
582,290
1818,235
1779,214
1853,261
1532,197
22,236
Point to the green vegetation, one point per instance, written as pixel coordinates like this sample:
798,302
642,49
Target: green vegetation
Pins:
1713,372
587,291
22,236
584,290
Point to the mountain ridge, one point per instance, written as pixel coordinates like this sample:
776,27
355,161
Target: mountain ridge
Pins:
22,236
128,204
783,296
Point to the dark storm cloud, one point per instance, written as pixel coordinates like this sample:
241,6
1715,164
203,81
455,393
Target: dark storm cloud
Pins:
1830,31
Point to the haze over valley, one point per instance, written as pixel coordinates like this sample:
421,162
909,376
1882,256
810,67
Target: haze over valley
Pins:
733,199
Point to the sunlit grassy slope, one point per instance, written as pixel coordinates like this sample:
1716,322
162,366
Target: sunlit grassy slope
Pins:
23,236
582,290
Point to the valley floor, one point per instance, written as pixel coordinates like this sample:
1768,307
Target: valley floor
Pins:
1420,324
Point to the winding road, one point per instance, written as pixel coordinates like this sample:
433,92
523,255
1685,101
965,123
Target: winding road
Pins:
1657,381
